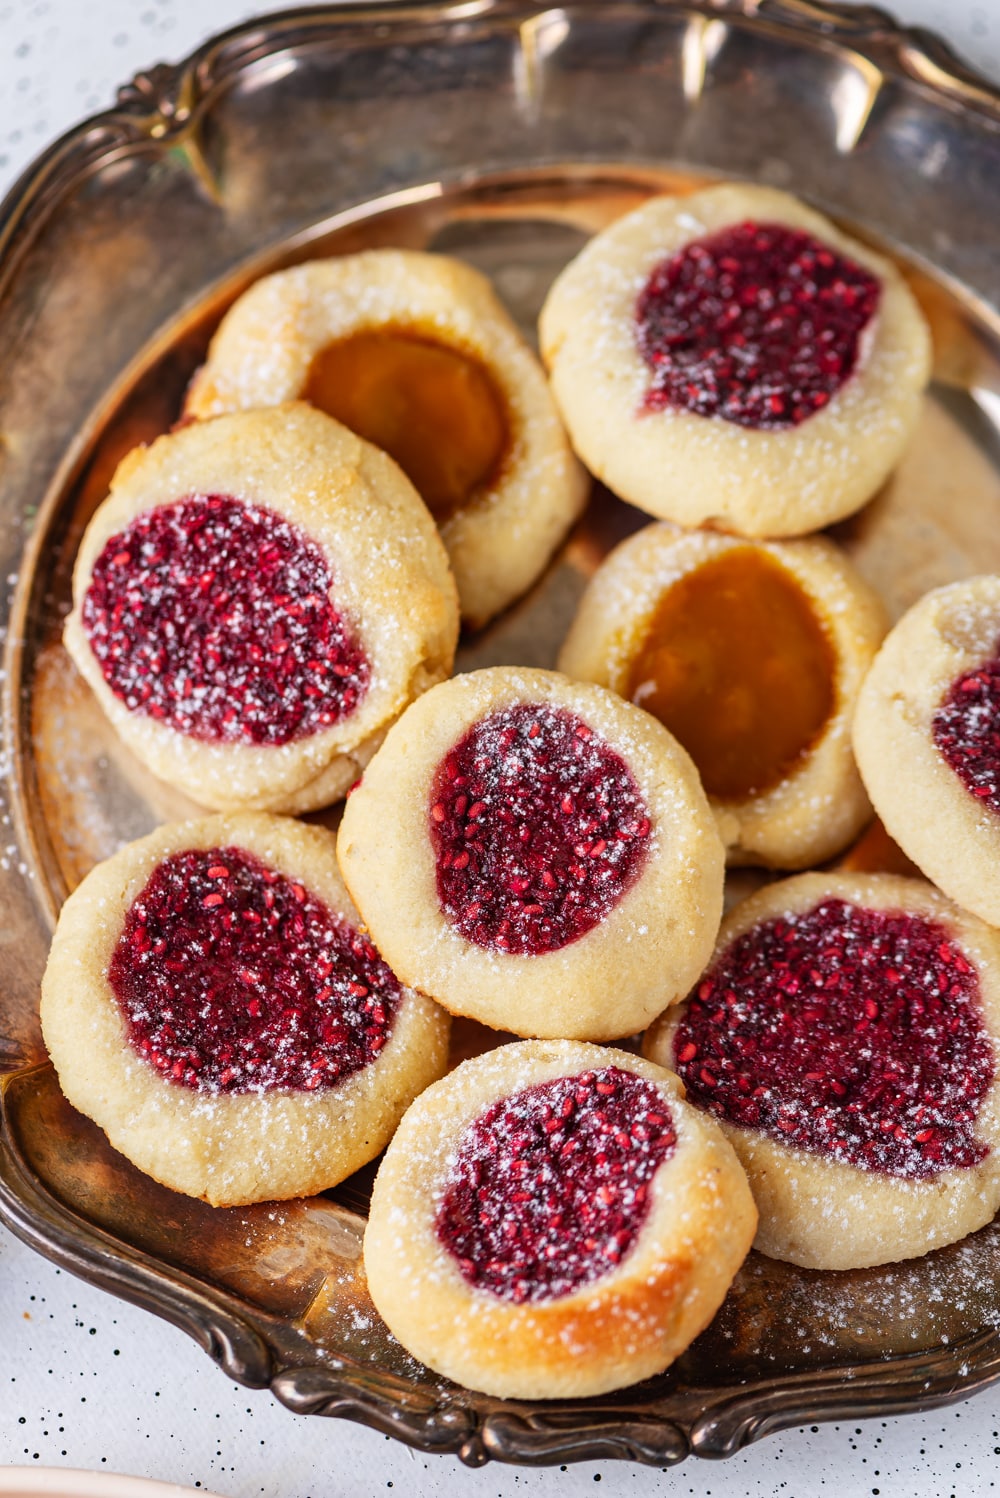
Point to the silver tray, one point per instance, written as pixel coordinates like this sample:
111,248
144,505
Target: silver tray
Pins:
503,132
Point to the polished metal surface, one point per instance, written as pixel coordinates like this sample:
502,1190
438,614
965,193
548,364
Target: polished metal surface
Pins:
506,133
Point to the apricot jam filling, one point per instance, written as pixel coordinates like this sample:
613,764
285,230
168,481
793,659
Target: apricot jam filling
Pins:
853,1033
214,618
550,1187
233,978
967,731
736,663
759,324
433,408
538,828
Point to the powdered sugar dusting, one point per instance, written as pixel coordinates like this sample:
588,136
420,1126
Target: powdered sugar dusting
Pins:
966,730
795,1317
759,324
214,617
538,828
548,1188
853,1033
233,978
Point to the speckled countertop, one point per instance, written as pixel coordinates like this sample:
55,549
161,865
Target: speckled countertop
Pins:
88,1381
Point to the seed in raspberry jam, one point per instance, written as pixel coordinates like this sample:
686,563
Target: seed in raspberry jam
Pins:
856,1034
967,731
538,828
759,324
214,617
550,1187
232,978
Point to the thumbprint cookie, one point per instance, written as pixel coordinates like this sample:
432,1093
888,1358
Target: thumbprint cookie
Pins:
536,854
927,740
845,1037
553,1221
415,353
257,599
213,1004
752,655
731,359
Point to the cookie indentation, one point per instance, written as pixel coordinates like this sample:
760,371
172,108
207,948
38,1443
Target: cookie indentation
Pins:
549,1188
853,1033
214,617
538,828
759,324
967,731
737,664
433,408
233,978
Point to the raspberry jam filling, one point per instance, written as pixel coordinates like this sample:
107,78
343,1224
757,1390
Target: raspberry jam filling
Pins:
967,731
214,617
549,1188
538,829
852,1033
233,978
759,324
736,663
435,409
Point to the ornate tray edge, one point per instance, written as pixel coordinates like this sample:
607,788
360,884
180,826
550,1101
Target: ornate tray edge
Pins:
159,109
713,1423
911,52
707,1422
704,1422
46,1225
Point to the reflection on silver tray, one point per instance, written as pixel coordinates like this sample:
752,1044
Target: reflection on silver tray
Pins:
505,133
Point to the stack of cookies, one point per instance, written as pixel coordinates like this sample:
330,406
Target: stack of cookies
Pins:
267,606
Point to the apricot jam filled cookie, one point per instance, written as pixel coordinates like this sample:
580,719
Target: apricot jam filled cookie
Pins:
536,854
927,740
553,1221
752,655
415,353
730,358
211,1003
845,1036
257,599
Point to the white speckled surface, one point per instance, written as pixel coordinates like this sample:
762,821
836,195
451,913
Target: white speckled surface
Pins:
87,1381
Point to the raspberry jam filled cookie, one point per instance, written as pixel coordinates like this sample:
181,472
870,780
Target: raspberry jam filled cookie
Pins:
415,353
752,656
731,359
257,599
927,740
553,1221
845,1036
212,1004
536,854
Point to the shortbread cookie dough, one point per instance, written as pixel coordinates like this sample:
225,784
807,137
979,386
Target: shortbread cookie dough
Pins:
553,1221
537,854
845,1036
212,1003
731,359
257,599
752,655
415,352
927,740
